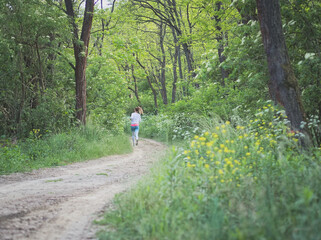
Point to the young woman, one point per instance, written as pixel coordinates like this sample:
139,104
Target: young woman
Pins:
135,120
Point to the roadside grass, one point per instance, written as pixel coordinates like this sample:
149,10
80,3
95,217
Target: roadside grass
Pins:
61,149
233,181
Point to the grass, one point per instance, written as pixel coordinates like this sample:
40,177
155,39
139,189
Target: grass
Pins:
103,174
233,181
61,149
55,180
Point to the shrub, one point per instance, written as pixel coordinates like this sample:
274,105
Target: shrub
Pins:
169,127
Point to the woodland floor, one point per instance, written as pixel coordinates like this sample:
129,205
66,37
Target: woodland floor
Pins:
62,202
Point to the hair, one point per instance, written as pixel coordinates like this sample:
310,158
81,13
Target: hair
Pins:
139,110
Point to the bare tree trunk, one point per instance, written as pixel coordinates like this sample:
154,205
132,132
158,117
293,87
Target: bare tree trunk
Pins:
180,67
177,49
283,85
221,45
41,77
23,94
185,45
162,32
81,53
135,90
149,83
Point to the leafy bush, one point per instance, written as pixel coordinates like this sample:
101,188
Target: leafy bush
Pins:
106,94
169,127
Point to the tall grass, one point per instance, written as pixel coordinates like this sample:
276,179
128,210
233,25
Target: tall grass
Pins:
77,145
232,181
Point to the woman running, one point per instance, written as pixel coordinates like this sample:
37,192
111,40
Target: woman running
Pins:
135,120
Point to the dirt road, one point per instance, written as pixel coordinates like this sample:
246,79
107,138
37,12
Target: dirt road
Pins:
61,203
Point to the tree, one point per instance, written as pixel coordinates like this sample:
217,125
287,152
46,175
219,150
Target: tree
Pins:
283,85
80,45
169,13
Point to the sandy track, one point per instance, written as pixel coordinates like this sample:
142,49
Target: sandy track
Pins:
61,203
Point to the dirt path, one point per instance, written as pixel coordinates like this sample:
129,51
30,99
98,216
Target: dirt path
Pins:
61,203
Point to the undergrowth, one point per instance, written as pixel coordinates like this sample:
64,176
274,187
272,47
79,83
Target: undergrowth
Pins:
59,149
233,181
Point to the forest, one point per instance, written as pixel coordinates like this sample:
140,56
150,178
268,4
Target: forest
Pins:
233,86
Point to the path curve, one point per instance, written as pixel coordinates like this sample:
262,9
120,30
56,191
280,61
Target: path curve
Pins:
61,203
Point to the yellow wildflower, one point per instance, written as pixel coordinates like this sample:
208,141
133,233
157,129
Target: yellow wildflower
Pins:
202,138
187,152
237,162
190,165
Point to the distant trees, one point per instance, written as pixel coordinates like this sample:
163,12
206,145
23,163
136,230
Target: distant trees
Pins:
30,95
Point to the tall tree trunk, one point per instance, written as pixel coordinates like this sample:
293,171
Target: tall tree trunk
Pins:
81,53
221,44
135,90
283,85
162,32
23,94
177,49
186,45
180,70
149,83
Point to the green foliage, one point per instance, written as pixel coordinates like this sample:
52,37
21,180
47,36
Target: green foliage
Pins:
168,128
232,182
32,94
303,33
106,95
52,150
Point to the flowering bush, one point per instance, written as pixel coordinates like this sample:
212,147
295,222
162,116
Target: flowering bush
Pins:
229,153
